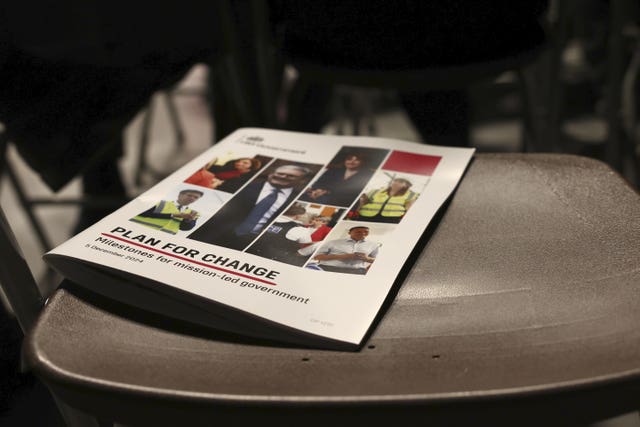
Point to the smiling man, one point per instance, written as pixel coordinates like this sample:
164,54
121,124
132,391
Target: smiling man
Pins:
246,215
170,216
352,255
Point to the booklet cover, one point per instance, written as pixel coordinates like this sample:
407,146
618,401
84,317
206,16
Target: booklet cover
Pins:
280,235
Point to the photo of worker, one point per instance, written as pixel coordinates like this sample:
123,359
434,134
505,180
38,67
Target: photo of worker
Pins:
388,201
388,197
174,213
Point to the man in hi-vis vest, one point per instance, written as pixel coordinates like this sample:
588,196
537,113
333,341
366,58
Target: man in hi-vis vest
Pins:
388,204
172,217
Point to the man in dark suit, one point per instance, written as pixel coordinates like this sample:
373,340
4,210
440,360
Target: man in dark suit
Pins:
246,215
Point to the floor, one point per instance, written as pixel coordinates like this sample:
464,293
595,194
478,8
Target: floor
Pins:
165,156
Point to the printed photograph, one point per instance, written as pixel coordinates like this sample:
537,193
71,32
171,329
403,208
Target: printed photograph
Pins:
229,173
345,176
180,211
259,203
351,248
297,233
388,197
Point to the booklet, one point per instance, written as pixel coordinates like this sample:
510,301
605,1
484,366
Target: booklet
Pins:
279,235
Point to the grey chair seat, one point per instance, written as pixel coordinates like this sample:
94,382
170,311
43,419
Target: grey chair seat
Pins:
522,307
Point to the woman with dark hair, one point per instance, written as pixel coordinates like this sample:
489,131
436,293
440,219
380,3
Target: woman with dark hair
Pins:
227,177
340,185
388,204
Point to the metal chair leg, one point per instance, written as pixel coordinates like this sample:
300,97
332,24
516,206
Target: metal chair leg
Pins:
27,206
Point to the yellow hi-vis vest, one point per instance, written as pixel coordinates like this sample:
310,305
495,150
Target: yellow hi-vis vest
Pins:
169,225
381,203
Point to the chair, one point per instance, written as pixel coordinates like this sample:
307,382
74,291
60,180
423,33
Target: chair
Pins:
314,69
21,193
621,149
618,88
522,308
29,203
143,168
26,301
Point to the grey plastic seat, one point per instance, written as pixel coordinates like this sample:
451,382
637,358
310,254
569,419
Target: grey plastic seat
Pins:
521,308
